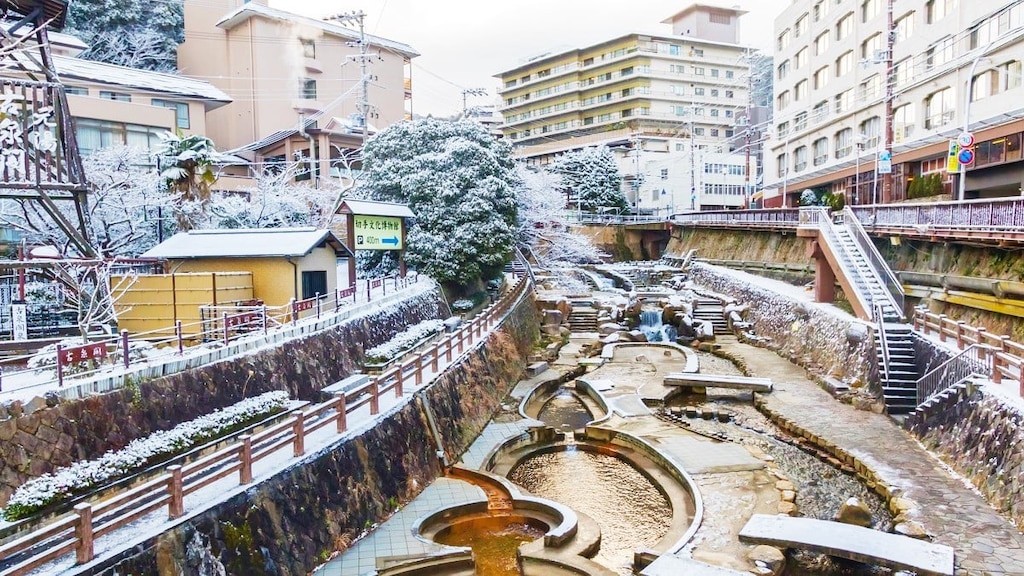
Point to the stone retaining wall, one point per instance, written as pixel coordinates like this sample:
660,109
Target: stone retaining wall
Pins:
826,341
980,436
292,522
32,444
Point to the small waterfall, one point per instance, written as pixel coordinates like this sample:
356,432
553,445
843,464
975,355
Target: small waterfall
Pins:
651,326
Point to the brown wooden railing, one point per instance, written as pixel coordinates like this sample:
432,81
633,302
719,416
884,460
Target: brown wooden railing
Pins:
1007,355
78,531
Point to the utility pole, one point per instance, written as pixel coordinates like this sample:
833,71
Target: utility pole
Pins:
890,42
363,57
747,196
471,92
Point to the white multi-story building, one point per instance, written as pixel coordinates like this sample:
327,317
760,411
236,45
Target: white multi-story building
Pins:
956,65
662,103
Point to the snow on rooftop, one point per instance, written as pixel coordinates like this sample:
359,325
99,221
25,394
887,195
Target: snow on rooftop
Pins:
171,84
244,243
374,208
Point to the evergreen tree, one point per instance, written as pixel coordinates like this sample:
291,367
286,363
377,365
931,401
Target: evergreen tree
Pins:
593,176
131,33
460,183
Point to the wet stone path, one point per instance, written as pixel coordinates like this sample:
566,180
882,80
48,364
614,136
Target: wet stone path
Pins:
954,514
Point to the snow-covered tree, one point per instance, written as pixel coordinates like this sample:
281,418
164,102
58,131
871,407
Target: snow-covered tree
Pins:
276,201
89,293
544,233
460,183
124,196
592,175
188,172
129,32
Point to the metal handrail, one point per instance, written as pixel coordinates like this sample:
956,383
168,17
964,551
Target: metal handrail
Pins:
775,217
878,264
1002,214
883,343
818,217
975,359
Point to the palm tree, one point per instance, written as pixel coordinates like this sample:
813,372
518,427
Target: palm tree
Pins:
187,172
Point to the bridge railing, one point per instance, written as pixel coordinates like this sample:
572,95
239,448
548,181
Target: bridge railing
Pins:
1003,214
975,359
77,531
874,258
1007,355
787,218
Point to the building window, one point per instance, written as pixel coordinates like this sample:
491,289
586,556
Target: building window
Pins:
844,27
93,135
801,26
820,112
699,91
782,129
821,78
800,59
820,10
714,132
871,88
307,88
905,27
868,9
714,112
181,119
698,70
936,10
729,93
800,159
800,90
800,121
782,100
821,43
118,96
698,131
782,70
784,39
870,47
781,164
940,52
871,129
714,72
664,173
820,149
76,90
314,282
308,48
844,64
844,101
844,142
714,93
903,119
903,72
938,109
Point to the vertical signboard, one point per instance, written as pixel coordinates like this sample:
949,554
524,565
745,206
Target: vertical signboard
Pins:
19,319
952,163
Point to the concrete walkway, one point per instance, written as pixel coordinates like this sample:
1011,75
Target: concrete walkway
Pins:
985,542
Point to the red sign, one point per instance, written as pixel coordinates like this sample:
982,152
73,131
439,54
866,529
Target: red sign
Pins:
82,353
376,283
305,304
242,319
350,291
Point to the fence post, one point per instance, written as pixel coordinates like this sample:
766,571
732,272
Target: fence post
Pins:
245,459
942,328
448,352
295,312
384,285
342,415
176,504
434,357
317,305
264,319
83,533
419,369
374,396
462,338
178,335
960,335
979,335
124,346
368,296
60,366
224,319
299,430
337,299
1,378
399,380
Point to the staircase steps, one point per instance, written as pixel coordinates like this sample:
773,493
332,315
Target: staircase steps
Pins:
711,310
583,319
899,380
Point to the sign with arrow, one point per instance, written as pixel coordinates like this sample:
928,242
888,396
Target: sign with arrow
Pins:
378,233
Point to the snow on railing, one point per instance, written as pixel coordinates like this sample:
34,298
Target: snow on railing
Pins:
221,326
770,218
975,359
1006,215
874,257
77,533
1007,355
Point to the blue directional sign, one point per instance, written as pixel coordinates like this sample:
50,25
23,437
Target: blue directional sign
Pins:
884,162
378,232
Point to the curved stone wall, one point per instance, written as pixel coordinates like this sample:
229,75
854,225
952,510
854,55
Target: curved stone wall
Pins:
32,444
292,522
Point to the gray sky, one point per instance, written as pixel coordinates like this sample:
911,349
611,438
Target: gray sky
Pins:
464,43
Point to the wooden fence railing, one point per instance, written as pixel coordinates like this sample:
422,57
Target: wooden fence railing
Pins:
78,531
1007,355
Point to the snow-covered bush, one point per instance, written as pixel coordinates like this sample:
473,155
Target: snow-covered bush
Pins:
403,341
80,477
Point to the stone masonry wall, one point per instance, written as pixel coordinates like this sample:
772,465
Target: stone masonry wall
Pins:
826,341
980,436
36,443
292,522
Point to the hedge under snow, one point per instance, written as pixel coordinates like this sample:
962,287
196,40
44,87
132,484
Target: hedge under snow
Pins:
87,474
403,341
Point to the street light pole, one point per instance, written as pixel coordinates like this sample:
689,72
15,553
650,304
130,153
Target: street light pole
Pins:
471,92
890,41
962,181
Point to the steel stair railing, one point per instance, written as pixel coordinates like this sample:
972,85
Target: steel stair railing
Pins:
975,359
874,258
819,218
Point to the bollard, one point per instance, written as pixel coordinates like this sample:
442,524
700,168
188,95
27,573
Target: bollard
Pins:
124,346
83,533
342,415
245,459
299,430
176,503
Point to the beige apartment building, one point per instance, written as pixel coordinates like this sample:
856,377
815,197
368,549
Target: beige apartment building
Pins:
296,83
956,66
667,105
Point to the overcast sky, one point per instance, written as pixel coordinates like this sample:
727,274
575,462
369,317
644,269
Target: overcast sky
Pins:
464,43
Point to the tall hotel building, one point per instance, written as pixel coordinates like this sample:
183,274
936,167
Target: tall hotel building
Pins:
955,65
667,105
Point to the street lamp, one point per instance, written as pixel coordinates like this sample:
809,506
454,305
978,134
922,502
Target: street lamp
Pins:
471,92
